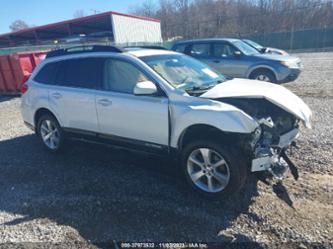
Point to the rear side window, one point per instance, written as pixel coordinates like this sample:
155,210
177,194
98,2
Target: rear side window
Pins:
180,48
200,49
83,73
47,74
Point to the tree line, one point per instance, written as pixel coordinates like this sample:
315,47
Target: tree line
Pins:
211,18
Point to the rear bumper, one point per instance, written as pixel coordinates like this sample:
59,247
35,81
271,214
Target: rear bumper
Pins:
291,76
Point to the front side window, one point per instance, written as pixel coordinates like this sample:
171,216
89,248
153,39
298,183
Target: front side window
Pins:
183,72
83,73
121,76
200,49
245,48
223,50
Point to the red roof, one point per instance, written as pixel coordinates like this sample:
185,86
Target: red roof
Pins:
58,25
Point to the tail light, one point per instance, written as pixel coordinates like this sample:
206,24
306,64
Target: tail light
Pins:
24,88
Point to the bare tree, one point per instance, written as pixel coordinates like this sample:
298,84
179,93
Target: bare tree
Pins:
210,18
79,13
18,25
147,8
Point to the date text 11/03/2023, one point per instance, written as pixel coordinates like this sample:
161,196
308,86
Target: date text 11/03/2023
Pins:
162,245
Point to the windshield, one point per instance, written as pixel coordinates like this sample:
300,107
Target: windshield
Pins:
183,72
253,44
245,48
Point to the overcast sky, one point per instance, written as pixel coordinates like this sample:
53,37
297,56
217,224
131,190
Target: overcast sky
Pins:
39,12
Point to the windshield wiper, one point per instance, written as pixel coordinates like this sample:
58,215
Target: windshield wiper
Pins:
200,88
216,82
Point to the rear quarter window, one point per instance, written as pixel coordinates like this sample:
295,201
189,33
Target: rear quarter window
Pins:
46,74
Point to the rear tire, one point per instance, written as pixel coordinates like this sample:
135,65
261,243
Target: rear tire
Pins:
221,174
50,133
263,75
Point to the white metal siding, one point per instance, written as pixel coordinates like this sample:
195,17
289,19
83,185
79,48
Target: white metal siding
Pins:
131,30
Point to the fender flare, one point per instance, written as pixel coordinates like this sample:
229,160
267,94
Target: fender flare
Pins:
229,121
47,108
261,66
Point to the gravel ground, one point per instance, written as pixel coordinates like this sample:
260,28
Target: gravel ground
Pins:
92,194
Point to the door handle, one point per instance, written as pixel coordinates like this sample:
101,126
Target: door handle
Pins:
56,95
105,102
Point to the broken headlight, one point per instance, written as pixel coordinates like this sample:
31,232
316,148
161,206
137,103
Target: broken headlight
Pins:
256,136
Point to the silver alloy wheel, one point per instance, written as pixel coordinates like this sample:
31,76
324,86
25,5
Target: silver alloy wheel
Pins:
50,134
208,170
263,77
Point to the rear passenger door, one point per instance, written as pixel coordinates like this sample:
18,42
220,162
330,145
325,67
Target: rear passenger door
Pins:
73,94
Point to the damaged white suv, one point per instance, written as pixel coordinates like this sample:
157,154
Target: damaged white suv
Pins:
164,102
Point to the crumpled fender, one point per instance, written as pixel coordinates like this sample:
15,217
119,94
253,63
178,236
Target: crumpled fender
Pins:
222,116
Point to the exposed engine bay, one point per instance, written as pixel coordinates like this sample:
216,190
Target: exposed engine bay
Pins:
277,131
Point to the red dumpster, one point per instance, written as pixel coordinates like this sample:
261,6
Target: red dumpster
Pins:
16,68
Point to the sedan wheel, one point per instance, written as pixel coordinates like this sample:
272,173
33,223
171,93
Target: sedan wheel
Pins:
208,170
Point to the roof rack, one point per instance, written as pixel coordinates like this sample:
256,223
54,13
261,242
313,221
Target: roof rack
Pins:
83,49
146,47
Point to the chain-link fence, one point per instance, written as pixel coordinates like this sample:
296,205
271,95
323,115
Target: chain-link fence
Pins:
317,38
308,39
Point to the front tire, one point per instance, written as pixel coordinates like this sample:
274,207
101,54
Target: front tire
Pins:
212,169
263,75
50,133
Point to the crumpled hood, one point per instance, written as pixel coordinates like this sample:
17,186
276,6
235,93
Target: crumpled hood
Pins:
276,51
276,94
277,57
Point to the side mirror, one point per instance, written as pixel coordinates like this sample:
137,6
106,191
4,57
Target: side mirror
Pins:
237,54
145,88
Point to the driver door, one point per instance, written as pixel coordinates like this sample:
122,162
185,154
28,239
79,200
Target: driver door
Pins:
142,120
226,62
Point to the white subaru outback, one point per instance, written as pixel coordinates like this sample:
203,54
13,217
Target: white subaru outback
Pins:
164,102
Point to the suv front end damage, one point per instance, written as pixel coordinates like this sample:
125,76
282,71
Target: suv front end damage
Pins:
271,156
278,113
276,132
